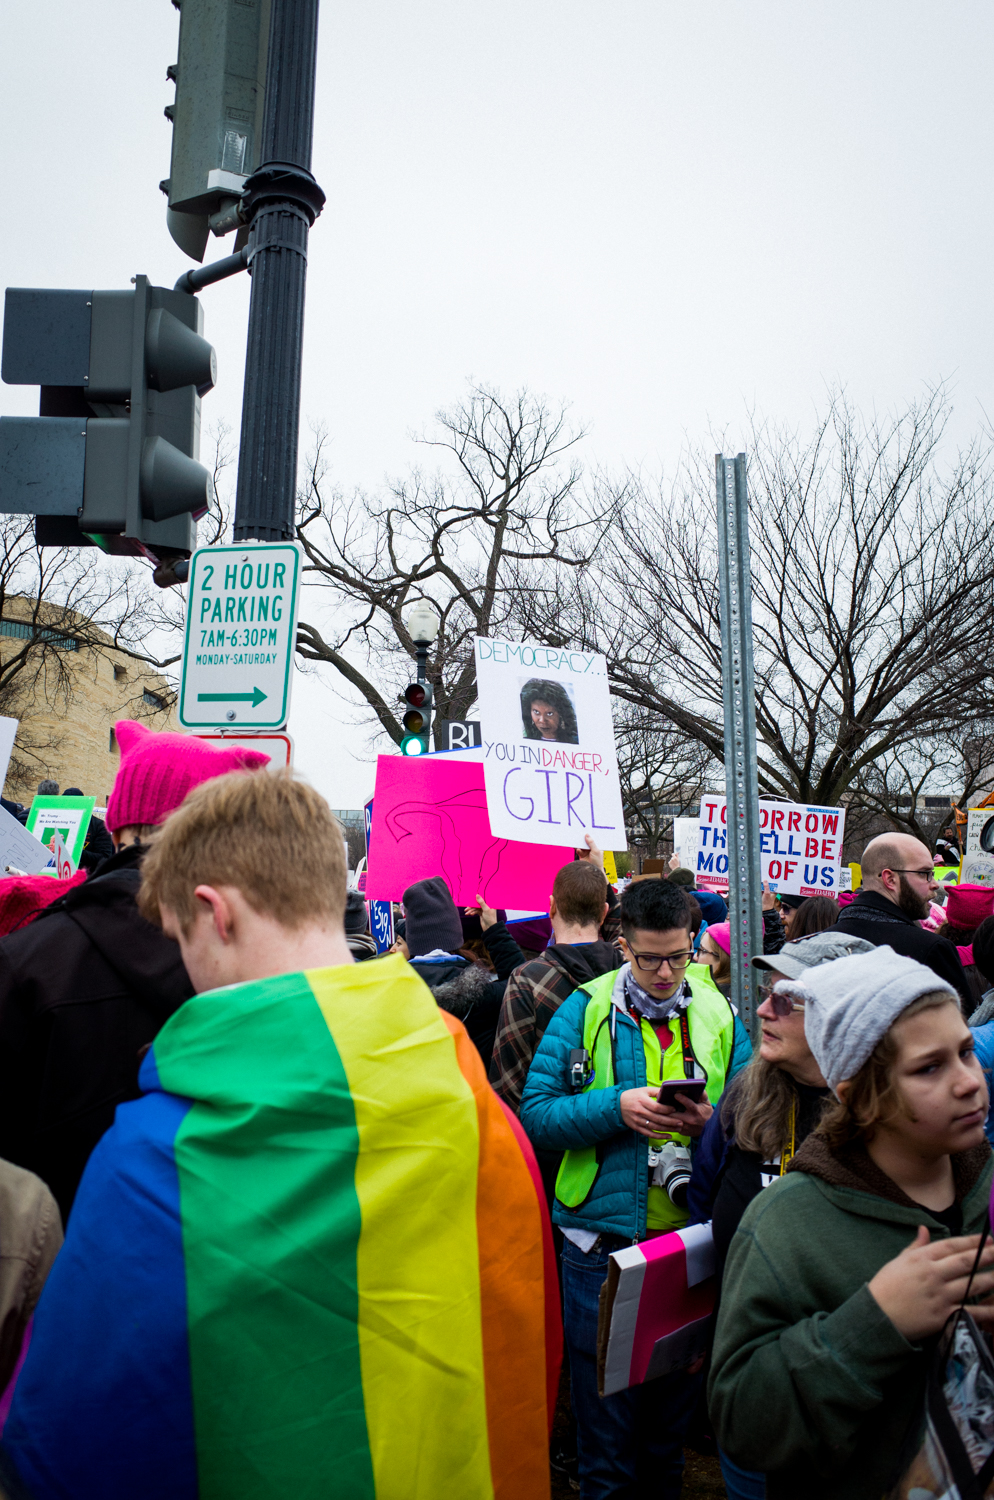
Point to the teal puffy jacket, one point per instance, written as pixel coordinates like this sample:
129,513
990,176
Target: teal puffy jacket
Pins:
555,1119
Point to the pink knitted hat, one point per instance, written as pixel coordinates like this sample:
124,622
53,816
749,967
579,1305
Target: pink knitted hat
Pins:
157,771
721,932
968,905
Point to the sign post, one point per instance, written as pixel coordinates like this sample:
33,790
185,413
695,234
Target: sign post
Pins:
741,779
241,631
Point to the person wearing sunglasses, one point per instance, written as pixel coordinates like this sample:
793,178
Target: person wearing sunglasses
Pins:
765,1115
898,884
594,1092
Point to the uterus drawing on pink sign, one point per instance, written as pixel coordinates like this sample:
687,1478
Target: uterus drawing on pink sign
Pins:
430,818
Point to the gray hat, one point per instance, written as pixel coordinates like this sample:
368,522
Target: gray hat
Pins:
851,1003
818,948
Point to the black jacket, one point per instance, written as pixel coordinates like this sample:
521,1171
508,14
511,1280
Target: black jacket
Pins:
84,988
97,846
882,922
468,992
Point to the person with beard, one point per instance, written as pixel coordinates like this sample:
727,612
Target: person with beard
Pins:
898,884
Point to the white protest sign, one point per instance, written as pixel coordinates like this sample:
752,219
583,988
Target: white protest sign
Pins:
978,855
685,841
8,730
19,850
548,745
800,847
61,861
241,630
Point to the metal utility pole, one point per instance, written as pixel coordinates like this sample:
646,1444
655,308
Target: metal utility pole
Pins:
741,782
281,201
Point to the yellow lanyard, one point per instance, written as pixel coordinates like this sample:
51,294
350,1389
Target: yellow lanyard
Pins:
785,1156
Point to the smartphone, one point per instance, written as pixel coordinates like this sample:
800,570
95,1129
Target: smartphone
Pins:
693,1088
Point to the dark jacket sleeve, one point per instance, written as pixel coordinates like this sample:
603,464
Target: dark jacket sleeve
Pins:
503,950
708,1159
943,960
774,936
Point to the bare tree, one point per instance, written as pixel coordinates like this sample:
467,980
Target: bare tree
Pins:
511,498
660,769
873,607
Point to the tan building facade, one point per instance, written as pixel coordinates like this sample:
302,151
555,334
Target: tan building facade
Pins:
68,699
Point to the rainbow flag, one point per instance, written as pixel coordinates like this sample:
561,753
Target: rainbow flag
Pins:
313,1261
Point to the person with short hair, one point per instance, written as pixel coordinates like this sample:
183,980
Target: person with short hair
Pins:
85,987
309,1260
593,1092
843,1272
898,883
535,990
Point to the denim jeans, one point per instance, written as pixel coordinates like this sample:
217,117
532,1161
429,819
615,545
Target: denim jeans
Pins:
630,1445
741,1484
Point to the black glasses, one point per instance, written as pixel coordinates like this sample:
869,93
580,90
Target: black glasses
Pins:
650,963
782,1004
928,874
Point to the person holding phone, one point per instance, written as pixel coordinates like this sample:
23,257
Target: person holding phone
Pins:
630,1065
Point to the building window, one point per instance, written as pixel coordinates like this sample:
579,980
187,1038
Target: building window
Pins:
22,632
120,673
113,742
153,700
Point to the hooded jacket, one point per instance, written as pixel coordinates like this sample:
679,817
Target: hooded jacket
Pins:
810,1380
83,990
881,921
534,993
467,991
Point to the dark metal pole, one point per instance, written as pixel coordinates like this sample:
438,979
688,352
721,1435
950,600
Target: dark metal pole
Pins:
281,202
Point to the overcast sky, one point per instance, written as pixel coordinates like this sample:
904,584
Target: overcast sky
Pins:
664,213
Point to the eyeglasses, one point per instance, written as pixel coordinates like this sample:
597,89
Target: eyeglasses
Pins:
782,1004
650,963
928,874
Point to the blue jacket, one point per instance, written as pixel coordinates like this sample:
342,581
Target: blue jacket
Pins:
983,1041
555,1119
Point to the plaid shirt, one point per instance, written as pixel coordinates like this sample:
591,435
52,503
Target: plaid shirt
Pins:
534,993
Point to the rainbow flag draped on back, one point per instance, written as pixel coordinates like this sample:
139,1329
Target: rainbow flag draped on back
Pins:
313,1261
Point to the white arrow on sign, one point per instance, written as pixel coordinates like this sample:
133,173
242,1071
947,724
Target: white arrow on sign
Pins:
241,630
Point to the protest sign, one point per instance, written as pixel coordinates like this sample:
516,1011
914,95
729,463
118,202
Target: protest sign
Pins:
69,816
685,841
800,847
431,819
548,744
656,1308
20,852
978,855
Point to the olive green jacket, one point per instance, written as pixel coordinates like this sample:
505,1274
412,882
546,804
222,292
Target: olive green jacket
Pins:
810,1381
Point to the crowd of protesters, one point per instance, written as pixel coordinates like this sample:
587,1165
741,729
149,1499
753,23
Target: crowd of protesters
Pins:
205,1096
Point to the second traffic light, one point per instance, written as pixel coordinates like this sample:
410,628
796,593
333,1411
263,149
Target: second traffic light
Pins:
417,719
112,457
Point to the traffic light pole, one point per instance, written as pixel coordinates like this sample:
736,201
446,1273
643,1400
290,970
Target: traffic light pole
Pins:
281,202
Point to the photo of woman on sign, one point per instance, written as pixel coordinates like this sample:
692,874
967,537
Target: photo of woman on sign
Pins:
547,712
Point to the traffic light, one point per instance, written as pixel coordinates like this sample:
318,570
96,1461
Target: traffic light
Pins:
417,719
220,78
112,458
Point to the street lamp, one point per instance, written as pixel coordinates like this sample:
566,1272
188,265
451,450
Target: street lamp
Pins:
423,623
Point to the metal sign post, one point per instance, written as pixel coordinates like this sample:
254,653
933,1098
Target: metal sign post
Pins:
741,783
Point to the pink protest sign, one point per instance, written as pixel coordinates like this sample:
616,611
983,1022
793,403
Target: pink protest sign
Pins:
431,819
654,1318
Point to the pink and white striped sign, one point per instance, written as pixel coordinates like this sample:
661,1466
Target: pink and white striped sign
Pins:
654,1316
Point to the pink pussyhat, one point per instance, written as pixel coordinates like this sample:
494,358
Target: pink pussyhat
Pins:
968,905
721,932
157,771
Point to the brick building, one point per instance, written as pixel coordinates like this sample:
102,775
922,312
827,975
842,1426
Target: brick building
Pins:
67,701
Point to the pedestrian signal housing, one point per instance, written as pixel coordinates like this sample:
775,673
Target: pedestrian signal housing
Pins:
112,459
417,719
220,78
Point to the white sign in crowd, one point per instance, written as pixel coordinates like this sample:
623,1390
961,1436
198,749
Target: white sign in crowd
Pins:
548,745
800,846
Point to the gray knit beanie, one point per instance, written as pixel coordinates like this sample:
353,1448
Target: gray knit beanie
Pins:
432,919
850,1003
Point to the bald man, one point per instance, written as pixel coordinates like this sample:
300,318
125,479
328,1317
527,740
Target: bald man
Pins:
898,883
